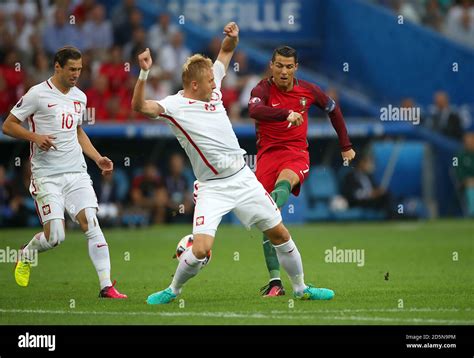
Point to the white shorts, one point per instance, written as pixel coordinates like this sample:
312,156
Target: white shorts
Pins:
241,193
68,191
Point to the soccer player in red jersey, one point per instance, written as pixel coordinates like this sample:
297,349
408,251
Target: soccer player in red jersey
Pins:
280,106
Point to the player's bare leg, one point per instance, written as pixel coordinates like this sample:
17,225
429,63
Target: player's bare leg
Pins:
286,181
290,258
52,235
98,251
189,265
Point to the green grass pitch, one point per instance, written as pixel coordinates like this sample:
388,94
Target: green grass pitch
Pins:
430,280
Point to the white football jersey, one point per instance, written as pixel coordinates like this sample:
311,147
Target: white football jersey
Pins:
204,131
51,112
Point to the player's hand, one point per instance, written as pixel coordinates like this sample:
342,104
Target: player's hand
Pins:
45,142
144,60
231,29
106,165
295,119
348,155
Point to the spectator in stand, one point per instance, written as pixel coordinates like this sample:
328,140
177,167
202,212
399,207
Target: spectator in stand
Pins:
172,58
360,190
121,12
28,8
149,194
137,45
62,33
179,207
460,24
465,172
155,87
123,33
10,71
160,32
98,96
82,10
115,69
108,196
433,15
21,206
444,119
21,30
40,70
406,9
98,32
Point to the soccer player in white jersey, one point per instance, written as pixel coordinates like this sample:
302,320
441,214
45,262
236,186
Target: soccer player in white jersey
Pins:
54,110
224,182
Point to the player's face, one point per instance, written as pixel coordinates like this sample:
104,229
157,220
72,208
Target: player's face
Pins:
206,86
283,70
69,74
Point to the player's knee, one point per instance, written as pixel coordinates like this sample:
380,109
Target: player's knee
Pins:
56,232
91,219
278,235
201,246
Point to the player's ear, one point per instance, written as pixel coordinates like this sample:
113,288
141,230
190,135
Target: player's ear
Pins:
296,66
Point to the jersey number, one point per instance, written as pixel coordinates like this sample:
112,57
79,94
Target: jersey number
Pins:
67,121
209,107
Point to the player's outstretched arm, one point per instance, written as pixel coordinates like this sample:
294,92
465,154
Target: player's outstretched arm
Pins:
104,163
149,108
13,128
328,105
228,44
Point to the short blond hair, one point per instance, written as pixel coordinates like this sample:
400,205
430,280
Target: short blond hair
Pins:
194,68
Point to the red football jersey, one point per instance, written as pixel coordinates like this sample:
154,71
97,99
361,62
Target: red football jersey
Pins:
270,107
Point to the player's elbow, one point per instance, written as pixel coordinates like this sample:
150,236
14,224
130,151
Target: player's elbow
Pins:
136,106
6,127
253,111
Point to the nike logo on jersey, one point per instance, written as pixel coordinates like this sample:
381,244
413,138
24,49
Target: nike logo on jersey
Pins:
52,105
101,245
191,102
275,104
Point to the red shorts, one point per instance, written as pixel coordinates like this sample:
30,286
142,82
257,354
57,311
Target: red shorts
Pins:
271,163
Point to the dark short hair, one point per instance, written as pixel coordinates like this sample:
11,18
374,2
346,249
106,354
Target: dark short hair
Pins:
66,53
285,51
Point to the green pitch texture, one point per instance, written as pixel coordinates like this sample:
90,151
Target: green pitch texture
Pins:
430,268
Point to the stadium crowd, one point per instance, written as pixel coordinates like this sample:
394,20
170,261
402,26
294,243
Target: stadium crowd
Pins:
31,32
453,18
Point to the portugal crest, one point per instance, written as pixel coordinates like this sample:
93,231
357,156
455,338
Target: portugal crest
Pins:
303,104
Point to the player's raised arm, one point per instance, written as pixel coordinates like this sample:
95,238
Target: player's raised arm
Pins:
147,107
228,44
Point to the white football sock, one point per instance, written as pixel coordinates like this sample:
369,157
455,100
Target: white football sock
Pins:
99,254
290,259
188,267
38,243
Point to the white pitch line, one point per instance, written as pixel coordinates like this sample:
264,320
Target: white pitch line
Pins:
358,310
238,315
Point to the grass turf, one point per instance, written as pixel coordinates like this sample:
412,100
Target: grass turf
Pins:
426,284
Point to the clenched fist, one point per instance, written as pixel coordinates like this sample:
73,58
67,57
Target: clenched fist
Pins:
144,60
